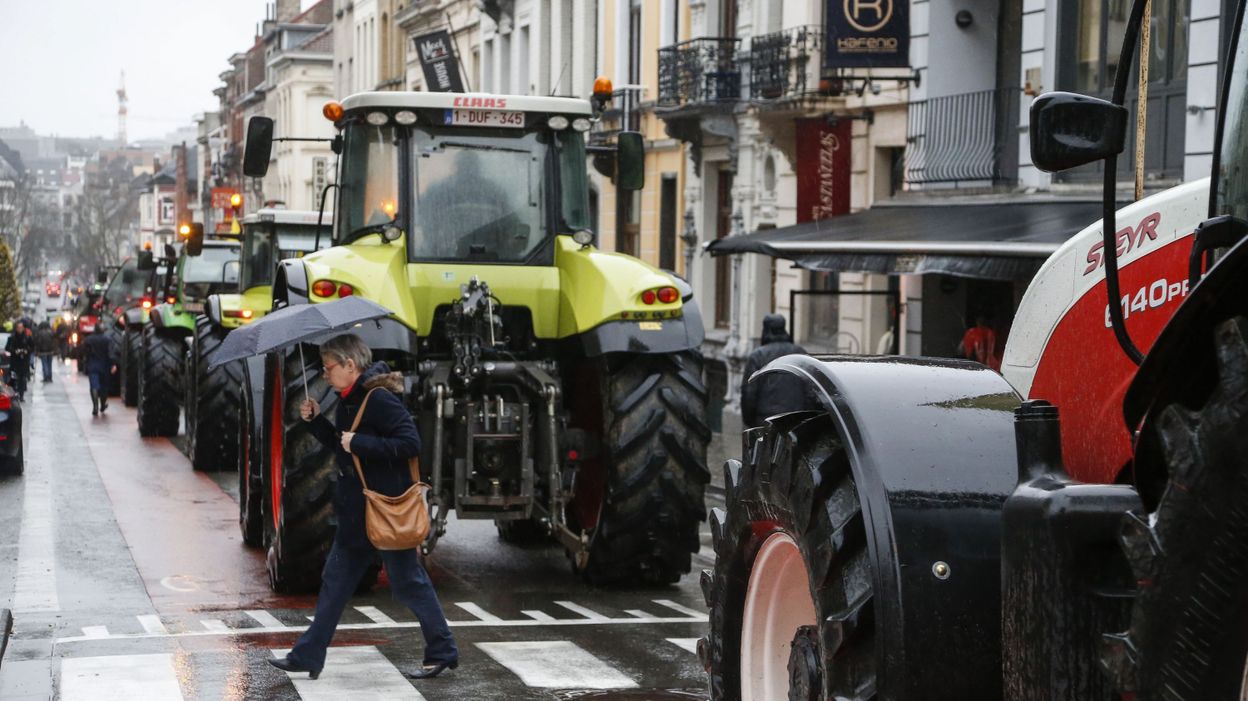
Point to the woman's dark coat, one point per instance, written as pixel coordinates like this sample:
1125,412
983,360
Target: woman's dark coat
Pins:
384,440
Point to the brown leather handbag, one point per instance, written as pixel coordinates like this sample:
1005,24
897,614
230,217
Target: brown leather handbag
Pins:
394,523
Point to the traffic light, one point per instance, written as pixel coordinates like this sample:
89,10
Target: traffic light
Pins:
192,235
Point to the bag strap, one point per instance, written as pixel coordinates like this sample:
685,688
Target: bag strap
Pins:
413,464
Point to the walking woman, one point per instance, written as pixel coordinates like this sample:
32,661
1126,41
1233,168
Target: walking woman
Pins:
384,441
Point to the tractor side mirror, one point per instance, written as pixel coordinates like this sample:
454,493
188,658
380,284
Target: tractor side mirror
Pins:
146,260
630,162
1069,130
259,147
193,237
101,277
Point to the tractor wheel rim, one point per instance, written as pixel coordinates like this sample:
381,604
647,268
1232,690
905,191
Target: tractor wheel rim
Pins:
1243,687
777,603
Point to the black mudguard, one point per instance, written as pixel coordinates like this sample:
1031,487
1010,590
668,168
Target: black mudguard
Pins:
646,335
290,286
932,448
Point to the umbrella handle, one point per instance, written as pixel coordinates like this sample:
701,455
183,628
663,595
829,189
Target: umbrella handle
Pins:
304,372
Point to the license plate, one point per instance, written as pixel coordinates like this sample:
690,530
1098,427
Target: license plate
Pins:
485,118
195,307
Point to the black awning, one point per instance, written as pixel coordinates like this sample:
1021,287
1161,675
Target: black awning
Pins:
1001,241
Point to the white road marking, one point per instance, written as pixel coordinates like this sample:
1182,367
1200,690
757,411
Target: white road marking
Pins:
677,607
479,612
534,619
556,664
152,624
265,619
375,615
35,586
690,644
215,625
356,673
119,677
589,614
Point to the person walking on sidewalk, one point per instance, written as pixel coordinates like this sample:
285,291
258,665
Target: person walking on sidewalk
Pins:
384,441
45,346
775,393
100,365
19,347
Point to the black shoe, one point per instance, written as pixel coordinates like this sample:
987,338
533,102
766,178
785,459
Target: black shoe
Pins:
430,671
95,412
288,665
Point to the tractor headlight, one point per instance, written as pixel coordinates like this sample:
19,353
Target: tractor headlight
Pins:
583,237
580,124
377,119
406,117
557,122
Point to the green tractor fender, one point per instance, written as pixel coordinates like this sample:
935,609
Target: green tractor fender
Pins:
172,317
603,303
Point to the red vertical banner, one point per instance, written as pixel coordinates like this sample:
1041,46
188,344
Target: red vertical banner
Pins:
824,160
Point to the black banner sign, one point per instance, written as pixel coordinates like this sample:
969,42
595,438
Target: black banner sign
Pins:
867,34
437,58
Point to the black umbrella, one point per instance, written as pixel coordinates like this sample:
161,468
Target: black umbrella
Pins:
296,324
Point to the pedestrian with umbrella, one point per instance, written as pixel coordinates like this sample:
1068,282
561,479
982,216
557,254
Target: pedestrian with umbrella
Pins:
374,440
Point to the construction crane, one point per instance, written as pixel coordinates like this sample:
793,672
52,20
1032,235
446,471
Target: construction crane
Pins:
121,110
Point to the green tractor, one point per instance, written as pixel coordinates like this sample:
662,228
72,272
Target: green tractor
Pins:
212,398
558,387
202,268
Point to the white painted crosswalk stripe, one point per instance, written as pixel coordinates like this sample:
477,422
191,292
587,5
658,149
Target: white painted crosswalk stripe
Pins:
577,608
356,673
375,615
147,677
95,631
152,624
677,607
265,619
556,664
215,625
479,612
690,644
539,615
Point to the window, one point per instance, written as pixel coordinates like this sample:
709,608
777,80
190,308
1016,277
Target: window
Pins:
628,221
723,228
667,222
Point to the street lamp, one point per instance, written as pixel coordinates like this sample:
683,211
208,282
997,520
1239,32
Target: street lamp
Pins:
690,238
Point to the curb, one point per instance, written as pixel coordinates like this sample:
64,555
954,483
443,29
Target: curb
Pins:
6,628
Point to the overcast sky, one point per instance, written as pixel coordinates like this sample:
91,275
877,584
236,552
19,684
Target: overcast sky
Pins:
61,61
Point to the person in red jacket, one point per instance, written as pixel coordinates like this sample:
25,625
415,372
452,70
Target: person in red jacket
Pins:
979,343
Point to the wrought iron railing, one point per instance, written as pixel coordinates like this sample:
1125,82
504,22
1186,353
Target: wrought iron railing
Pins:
785,64
963,139
624,114
699,71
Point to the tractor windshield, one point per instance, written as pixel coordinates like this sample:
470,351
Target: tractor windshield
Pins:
1232,191
260,246
212,272
369,189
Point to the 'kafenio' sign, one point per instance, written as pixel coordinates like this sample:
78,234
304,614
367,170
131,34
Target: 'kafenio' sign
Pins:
437,58
867,34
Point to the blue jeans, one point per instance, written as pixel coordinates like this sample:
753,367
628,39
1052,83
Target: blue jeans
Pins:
98,379
409,584
46,359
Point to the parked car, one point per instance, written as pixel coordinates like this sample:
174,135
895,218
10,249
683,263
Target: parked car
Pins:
12,461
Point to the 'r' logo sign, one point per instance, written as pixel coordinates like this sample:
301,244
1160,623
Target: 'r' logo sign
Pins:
880,10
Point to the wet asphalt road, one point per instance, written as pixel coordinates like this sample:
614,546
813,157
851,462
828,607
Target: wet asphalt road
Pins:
128,579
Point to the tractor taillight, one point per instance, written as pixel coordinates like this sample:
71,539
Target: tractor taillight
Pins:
324,288
6,402
648,296
345,290
170,300
147,303
237,313
667,295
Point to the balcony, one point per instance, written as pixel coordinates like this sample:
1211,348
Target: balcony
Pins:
967,140
699,72
785,65
623,115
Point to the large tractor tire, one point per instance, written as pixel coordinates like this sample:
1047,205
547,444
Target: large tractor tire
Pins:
159,367
212,400
791,601
250,474
116,346
301,477
642,517
1188,638
129,369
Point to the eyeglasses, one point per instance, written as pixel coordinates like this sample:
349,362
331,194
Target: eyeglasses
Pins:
326,368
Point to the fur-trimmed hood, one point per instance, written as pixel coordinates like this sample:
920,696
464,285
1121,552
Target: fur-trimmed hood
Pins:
379,375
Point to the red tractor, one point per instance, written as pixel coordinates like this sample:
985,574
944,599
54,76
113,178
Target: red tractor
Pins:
1075,528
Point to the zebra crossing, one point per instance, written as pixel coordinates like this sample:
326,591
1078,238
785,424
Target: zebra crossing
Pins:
259,622
537,669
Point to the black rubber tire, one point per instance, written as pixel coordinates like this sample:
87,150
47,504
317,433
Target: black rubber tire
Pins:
160,361
212,402
796,480
250,477
301,529
1188,638
129,368
117,347
654,440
